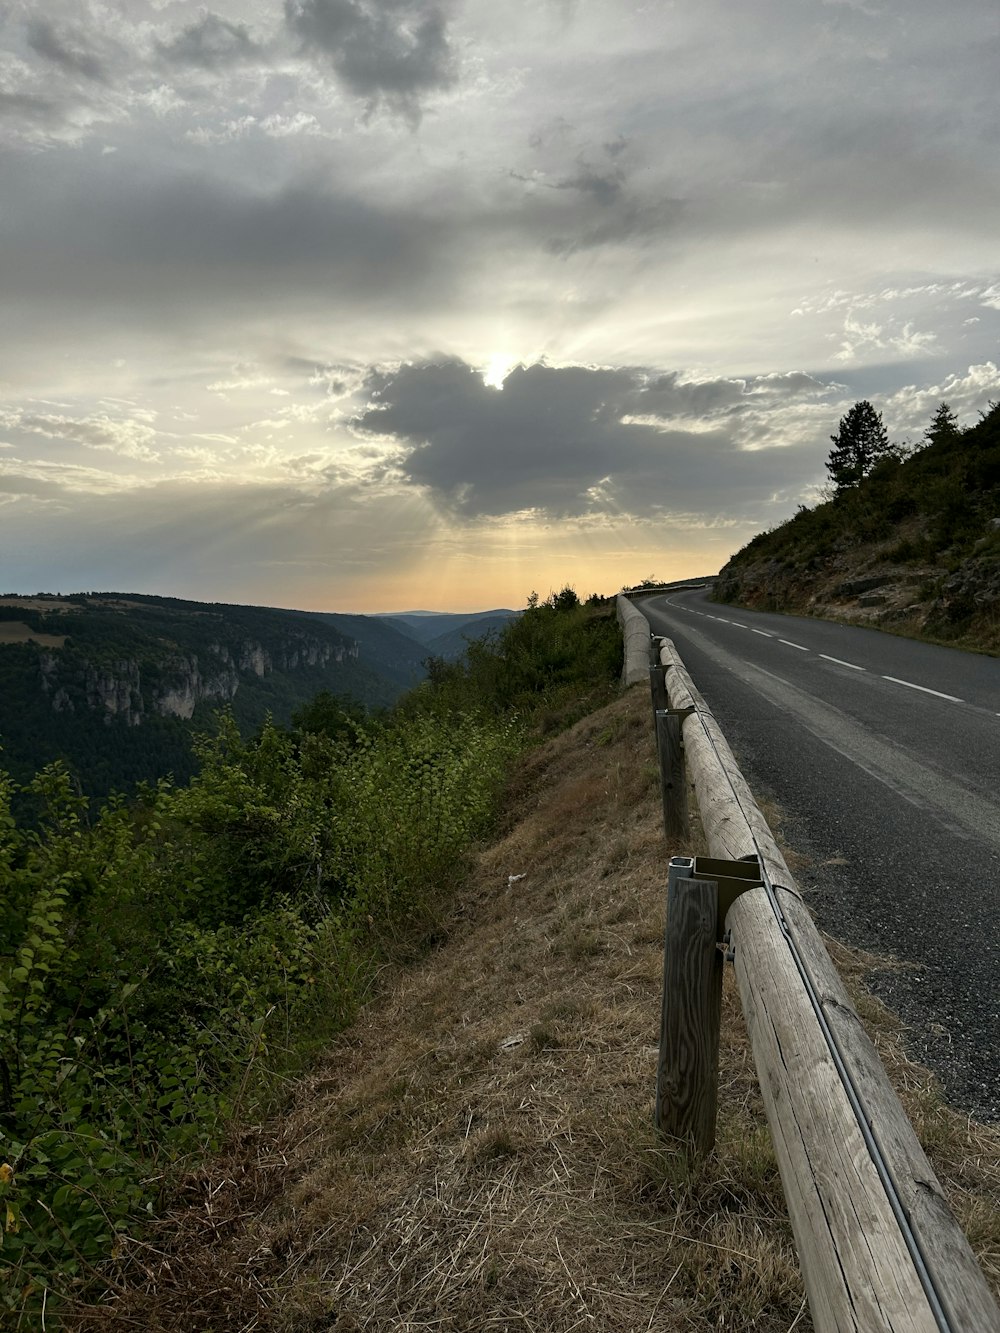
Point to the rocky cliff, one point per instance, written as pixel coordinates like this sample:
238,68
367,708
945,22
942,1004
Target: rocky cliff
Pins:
174,685
116,685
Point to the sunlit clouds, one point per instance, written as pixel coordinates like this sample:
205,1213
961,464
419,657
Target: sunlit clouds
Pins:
363,305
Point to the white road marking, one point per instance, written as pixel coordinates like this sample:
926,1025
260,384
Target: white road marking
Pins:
923,689
840,662
736,624
761,631
788,644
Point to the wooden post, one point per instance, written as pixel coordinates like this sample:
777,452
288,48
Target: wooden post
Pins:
863,1271
687,1075
658,686
673,787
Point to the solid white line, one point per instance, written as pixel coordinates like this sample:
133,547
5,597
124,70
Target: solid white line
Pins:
761,631
840,662
924,690
788,644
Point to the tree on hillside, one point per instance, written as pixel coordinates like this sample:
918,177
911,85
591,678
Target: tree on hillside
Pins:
861,442
564,600
944,427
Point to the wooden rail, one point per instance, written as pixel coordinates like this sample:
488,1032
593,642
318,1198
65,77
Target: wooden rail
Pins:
878,1245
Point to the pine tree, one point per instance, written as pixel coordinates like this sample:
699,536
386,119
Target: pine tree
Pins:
861,442
944,427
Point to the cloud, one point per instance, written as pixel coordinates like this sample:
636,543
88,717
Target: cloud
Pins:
263,543
64,484
129,437
157,244
969,394
210,44
30,109
578,440
579,196
67,47
382,50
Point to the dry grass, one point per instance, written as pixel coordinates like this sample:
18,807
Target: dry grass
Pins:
16,631
477,1152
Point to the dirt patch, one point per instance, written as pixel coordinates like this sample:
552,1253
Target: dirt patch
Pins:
477,1152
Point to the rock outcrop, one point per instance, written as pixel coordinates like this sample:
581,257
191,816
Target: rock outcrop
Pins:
174,686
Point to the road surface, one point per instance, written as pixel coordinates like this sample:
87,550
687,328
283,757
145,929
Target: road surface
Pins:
884,756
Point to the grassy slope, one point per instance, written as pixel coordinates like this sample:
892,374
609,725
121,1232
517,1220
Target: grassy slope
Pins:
476,1153
914,549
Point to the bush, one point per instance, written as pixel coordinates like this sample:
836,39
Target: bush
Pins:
165,962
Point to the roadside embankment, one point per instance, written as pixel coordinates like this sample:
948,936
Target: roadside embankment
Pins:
477,1151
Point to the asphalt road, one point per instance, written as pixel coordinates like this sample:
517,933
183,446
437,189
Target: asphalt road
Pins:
884,756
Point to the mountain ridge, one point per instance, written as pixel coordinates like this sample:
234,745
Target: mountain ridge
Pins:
117,684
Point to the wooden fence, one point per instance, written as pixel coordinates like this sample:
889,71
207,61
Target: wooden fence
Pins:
878,1245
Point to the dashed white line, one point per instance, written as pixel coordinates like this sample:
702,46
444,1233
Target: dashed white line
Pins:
761,631
736,624
840,662
788,644
923,689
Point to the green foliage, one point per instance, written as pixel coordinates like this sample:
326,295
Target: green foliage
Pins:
102,703
861,443
333,715
944,428
939,506
166,963
556,652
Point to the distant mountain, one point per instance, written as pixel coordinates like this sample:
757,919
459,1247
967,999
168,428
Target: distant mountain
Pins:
427,626
453,643
116,684
395,654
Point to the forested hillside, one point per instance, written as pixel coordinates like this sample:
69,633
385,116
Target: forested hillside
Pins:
432,627
116,685
168,962
910,540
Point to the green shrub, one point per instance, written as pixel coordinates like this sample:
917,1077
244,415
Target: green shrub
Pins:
166,961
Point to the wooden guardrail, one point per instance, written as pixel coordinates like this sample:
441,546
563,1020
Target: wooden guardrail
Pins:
878,1245
635,627
651,589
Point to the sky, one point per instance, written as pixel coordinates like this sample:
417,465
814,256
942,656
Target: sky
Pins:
368,305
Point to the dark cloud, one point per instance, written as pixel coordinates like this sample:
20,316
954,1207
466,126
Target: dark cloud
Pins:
591,200
670,396
67,48
212,43
391,50
109,230
604,187
27,109
566,441
667,395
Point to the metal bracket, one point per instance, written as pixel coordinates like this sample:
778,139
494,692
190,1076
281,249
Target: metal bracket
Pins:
732,878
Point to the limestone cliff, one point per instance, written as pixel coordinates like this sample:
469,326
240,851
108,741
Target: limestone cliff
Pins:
173,686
